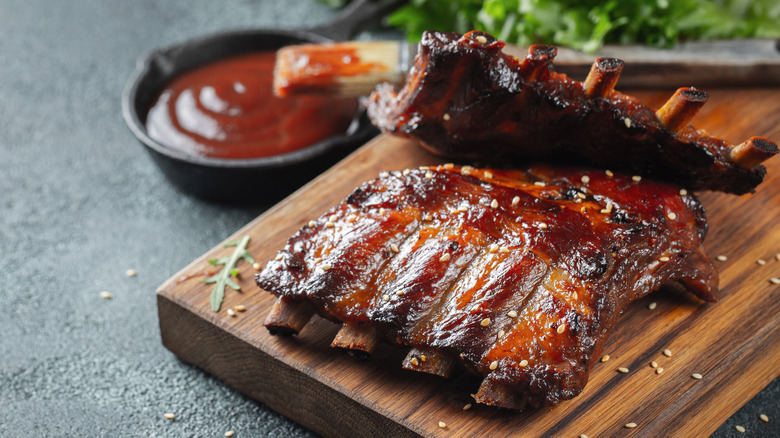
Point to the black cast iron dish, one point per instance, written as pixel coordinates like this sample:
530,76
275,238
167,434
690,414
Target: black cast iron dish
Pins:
257,180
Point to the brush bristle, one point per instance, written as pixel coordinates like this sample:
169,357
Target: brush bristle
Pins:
337,69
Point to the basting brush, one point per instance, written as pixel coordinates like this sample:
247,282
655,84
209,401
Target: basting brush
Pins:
354,68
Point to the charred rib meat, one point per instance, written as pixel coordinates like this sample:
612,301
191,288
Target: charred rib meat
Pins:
517,275
466,99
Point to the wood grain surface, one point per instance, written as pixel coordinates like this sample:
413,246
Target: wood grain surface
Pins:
734,343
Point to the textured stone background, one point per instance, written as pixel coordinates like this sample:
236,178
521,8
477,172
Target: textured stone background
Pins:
81,202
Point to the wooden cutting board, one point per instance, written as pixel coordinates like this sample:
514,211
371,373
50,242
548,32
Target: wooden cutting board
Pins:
734,344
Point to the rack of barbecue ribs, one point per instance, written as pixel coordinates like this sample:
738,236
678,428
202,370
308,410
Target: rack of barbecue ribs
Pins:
514,275
467,100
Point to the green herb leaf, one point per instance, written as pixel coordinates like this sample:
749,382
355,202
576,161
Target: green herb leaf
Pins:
588,24
222,278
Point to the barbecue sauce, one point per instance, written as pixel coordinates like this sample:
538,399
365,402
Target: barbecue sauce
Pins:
227,110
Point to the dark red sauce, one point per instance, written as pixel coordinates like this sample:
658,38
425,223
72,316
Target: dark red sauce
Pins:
227,109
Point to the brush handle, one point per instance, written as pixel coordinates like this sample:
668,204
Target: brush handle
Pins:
356,17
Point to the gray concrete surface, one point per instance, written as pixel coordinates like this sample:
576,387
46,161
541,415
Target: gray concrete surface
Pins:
81,202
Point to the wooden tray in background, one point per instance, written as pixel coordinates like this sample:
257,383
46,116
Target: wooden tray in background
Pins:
734,344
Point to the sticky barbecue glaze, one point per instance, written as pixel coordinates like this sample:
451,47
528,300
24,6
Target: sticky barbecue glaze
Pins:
466,99
440,258
227,110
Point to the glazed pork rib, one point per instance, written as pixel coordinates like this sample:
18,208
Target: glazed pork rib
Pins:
518,276
466,99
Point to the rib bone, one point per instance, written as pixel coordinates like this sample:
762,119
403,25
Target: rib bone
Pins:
358,339
753,152
537,61
681,107
428,360
492,393
288,316
603,76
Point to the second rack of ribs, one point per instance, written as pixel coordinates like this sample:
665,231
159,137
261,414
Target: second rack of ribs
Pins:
517,275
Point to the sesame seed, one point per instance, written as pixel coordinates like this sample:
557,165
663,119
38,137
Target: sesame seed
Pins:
494,365
501,333
581,195
652,305
515,200
406,172
423,358
382,211
414,361
627,121
465,170
467,407
561,328
493,247
446,116
667,352
383,174
721,258
394,247
630,425
672,216
653,364
278,257
329,224
663,259
464,207
494,204
740,429
169,415
761,262
609,173
131,273
539,183
351,218
636,178
399,292
442,424
445,257
683,192
481,39
105,295
448,165
256,266
317,260
623,370
659,370
774,280
523,363
333,218
543,225
605,358
311,224
696,376
503,249
777,256
240,308
488,174
485,322
231,312
582,435
764,418
229,433
512,314
386,297
585,179
325,266
429,175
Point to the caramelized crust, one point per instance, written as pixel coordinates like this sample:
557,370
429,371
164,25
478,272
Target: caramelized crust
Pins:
466,99
517,275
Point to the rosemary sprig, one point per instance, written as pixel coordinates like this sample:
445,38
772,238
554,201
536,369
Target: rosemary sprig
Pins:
222,278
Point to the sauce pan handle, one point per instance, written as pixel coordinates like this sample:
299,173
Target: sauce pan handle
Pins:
358,15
